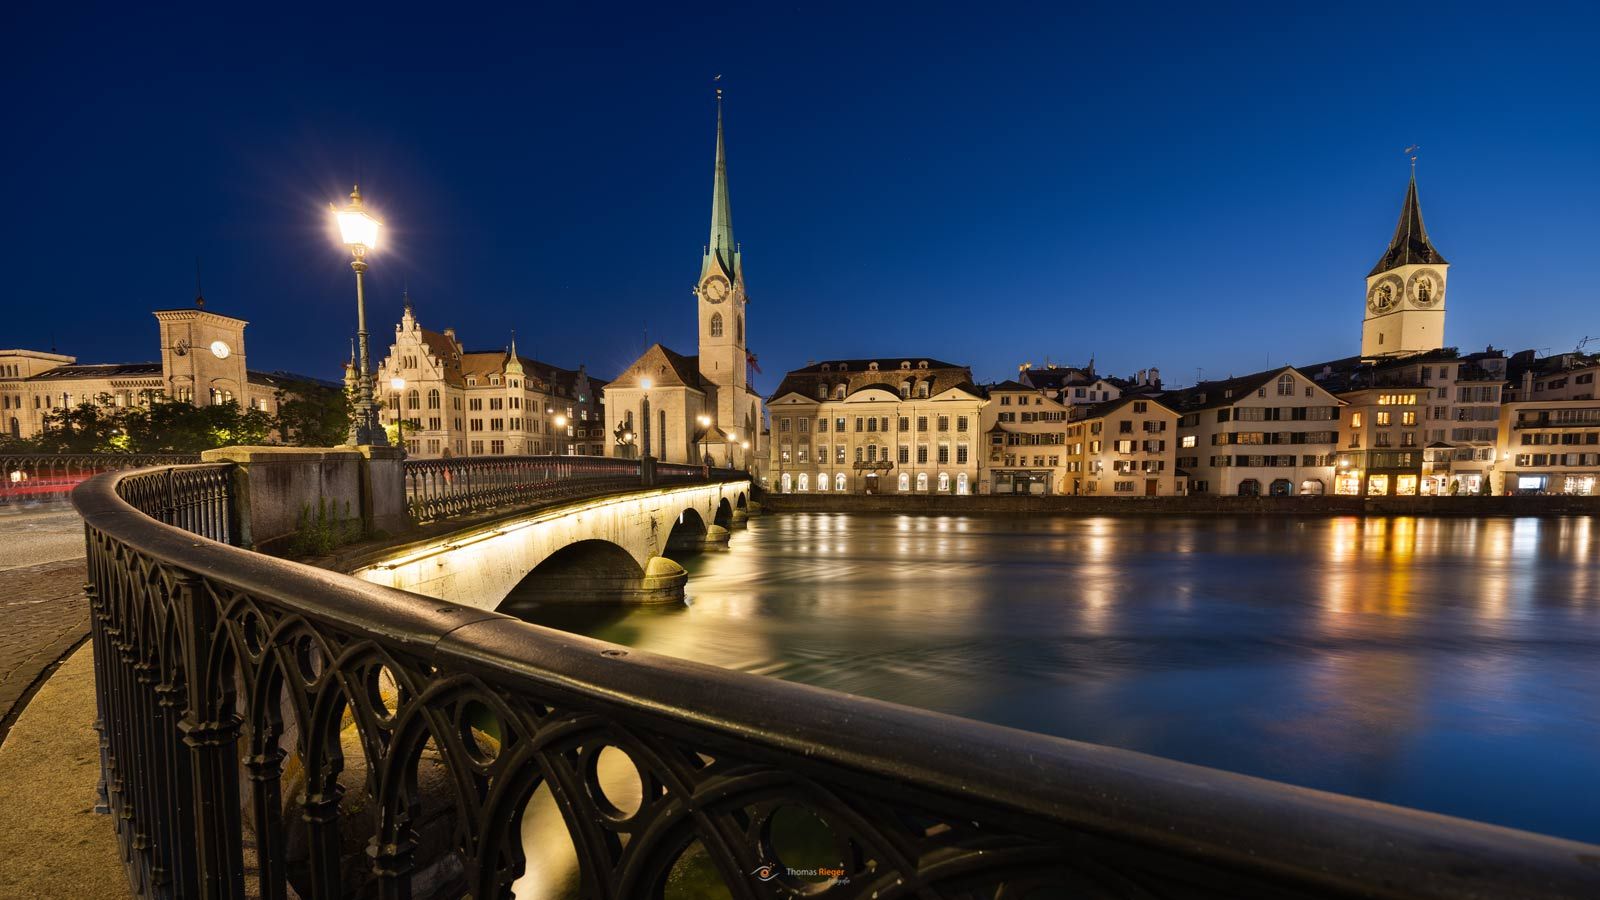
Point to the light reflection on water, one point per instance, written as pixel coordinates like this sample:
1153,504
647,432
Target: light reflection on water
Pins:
1447,664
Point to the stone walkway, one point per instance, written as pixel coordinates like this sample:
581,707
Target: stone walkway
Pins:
43,613
52,842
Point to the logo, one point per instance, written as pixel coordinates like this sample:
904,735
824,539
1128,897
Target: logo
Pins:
765,873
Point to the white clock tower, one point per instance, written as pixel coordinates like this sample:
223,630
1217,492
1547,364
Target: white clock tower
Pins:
1405,290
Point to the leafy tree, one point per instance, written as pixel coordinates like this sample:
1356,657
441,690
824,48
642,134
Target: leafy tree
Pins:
312,415
85,428
166,426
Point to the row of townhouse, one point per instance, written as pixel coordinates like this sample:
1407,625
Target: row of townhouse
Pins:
1432,423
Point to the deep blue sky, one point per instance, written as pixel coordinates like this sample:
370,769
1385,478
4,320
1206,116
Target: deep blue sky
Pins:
1196,186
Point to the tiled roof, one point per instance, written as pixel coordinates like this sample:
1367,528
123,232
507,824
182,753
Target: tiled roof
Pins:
1410,244
101,370
857,375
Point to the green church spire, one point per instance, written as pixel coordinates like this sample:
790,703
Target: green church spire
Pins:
721,250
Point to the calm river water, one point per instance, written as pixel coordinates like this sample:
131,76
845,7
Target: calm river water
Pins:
1446,664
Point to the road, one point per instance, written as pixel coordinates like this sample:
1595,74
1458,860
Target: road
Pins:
43,613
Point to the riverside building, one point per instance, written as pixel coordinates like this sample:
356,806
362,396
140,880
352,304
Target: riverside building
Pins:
873,426
1124,448
1273,432
459,402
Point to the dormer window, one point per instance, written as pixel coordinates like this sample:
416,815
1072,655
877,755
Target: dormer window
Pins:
844,367
905,364
923,364
472,382
822,392
827,367
872,367
838,392
922,389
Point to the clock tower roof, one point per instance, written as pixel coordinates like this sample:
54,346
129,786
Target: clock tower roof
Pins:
722,252
1410,244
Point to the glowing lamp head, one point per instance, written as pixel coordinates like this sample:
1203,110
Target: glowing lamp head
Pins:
705,420
628,437
357,227
561,421
744,445
397,383
645,383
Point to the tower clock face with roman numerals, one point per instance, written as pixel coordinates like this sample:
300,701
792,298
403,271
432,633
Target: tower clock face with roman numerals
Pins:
715,289
1425,288
1384,295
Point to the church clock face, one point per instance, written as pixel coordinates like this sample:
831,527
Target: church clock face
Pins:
220,349
1384,295
1426,289
715,290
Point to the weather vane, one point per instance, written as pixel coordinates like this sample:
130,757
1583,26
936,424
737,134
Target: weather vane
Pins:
714,79
1411,151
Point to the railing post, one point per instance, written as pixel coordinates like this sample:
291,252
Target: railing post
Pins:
210,732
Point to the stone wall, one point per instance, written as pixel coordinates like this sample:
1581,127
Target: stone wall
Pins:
1186,506
362,488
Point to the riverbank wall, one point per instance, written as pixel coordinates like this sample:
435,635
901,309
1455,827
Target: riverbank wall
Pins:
1533,505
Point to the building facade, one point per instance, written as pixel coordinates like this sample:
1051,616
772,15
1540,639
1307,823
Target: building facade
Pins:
1272,433
1125,448
701,408
876,426
202,361
1550,447
1025,430
459,402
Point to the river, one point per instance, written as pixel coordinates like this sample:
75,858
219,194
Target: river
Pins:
1446,664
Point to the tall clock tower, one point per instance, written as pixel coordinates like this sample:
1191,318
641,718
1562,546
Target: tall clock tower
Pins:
1405,290
722,300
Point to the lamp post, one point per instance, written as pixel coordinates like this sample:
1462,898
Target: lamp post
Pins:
561,427
733,438
359,231
399,385
705,449
745,446
644,430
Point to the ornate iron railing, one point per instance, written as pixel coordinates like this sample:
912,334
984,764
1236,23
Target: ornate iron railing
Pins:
436,488
36,477
198,498
272,730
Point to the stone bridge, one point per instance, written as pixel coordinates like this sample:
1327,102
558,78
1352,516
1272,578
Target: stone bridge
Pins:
602,550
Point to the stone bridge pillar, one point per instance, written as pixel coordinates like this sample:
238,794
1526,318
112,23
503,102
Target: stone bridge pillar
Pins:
282,490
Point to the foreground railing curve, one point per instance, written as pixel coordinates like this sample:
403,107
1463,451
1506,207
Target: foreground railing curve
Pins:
272,730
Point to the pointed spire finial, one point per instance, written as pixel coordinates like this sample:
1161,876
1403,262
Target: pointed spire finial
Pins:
1410,244
199,295
721,250
405,297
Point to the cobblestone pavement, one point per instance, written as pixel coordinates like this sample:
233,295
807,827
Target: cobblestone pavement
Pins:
43,613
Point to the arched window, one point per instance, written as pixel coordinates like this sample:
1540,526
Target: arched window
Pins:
822,481
716,324
738,327
838,481
838,392
433,399
1249,488
1286,385
905,481
1281,488
961,483
786,483
922,481
944,482
905,388
804,482
1312,487
414,400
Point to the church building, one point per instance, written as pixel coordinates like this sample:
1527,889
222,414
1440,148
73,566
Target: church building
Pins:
701,408
1405,290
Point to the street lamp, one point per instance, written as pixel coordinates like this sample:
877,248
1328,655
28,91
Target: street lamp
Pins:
399,385
705,450
359,231
745,446
644,431
733,438
560,422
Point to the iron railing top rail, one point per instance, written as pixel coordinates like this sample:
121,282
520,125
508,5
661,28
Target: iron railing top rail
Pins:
1307,842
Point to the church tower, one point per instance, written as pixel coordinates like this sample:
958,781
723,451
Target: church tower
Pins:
721,297
1405,290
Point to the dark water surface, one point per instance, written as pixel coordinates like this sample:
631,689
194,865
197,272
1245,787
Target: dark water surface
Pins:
1447,664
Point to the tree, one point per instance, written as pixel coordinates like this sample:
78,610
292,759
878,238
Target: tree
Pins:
166,426
312,415
85,428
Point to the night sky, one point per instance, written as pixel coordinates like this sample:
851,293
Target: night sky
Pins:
1203,187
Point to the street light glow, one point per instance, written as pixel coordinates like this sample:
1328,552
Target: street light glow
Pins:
357,227
561,421
645,383
397,383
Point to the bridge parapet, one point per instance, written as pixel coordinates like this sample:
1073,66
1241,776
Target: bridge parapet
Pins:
228,680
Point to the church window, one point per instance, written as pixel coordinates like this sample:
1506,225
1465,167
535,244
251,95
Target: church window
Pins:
738,328
716,324
414,400
433,399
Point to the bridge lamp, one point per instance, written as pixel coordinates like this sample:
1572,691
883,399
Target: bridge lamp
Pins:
359,231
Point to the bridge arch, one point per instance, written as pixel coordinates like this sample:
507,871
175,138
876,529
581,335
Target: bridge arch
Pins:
610,550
